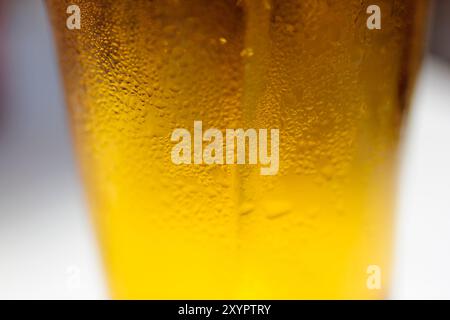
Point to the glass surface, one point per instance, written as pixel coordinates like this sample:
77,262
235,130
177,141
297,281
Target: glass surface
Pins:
337,92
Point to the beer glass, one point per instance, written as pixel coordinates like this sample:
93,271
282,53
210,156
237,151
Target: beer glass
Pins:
333,77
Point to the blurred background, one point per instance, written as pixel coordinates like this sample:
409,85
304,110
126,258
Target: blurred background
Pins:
47,247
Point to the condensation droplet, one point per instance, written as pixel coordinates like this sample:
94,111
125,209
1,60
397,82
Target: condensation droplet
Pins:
247,52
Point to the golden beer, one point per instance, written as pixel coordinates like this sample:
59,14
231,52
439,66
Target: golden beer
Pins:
337,91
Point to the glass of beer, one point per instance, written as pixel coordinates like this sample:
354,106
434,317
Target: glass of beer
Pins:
334,78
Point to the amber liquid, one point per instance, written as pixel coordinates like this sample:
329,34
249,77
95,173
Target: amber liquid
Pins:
337,92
